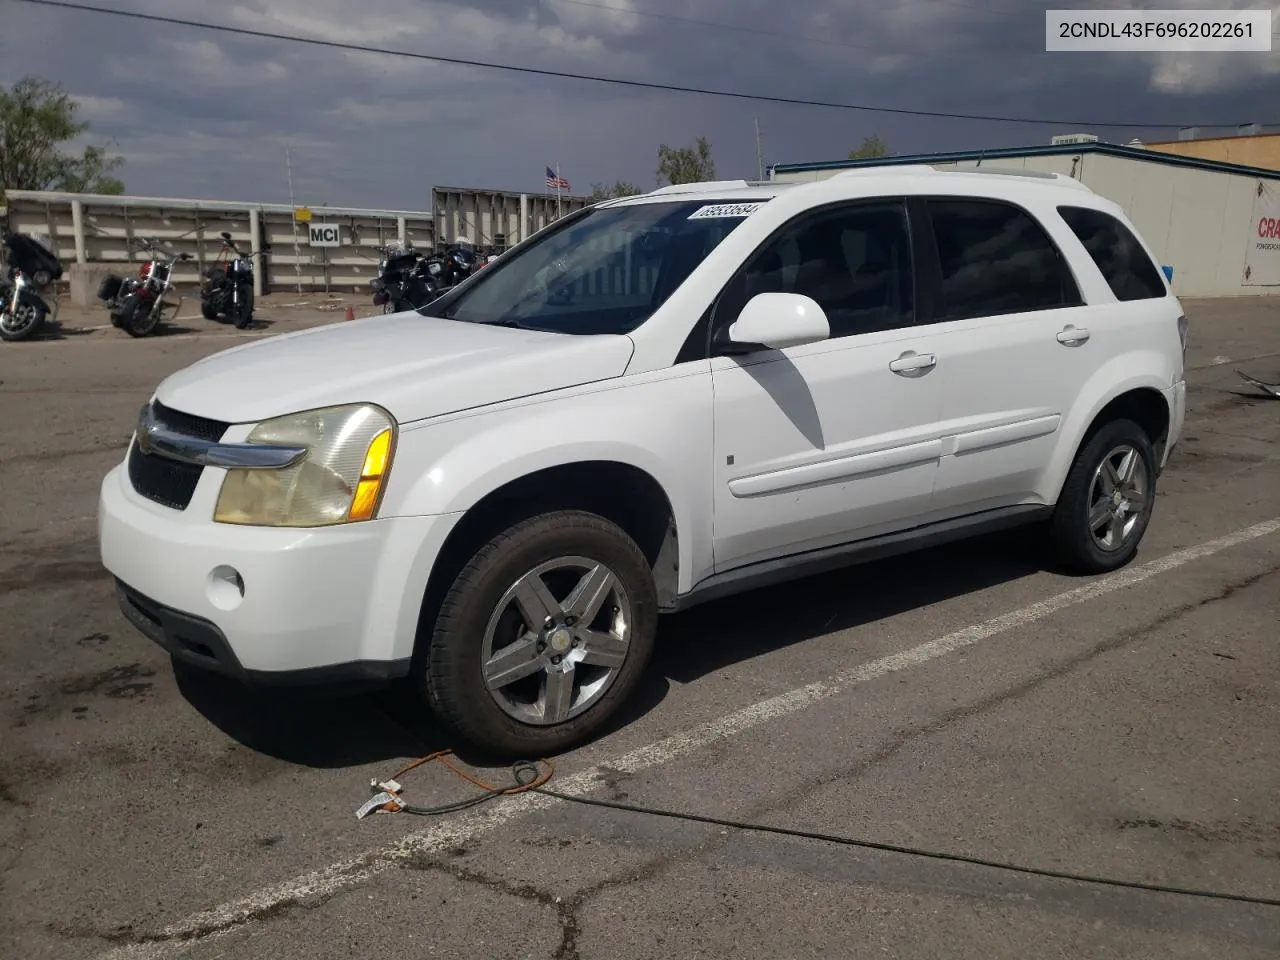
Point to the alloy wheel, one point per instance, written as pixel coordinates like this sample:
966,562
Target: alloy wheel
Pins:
1118,497
556,641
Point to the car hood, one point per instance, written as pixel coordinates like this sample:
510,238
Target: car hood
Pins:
413,366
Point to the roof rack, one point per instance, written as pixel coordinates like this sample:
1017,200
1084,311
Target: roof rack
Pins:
699,187
888,170
1062,178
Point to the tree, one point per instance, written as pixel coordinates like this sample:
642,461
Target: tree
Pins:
621,188
686,164
871,147
36,118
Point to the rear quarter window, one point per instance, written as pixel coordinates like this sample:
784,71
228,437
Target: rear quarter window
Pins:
1118,254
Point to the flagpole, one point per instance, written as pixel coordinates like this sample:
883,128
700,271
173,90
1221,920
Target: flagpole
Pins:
557,190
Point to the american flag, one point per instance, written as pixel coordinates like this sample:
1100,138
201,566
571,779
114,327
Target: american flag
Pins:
555,181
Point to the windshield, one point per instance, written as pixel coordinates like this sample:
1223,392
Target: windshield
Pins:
604,272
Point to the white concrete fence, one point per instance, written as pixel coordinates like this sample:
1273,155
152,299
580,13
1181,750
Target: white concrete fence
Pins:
335,252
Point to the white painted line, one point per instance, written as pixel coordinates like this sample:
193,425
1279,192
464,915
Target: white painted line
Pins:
217,922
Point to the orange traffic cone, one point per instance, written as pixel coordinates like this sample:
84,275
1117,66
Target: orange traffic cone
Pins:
351,312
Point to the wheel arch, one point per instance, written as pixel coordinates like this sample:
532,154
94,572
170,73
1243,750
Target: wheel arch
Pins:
1143,400
617,490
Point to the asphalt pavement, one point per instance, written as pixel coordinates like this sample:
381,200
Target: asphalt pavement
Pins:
963,701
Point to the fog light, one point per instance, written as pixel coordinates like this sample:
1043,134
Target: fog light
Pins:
225,587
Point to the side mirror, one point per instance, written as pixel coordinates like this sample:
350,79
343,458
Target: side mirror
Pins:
774,321
225,235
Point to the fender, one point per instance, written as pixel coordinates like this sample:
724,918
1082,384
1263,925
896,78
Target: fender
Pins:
659,425
1133,370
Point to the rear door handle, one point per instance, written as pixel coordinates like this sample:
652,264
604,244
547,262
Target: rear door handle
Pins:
1073,336
912,363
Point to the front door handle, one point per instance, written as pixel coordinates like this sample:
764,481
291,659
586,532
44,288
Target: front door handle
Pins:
1073,336
911,363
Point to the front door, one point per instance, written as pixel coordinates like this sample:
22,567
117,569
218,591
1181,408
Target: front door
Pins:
827,442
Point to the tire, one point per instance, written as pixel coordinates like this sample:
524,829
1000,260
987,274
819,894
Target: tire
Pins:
244,313
477,615
136,318
25,322
208,310
1073,538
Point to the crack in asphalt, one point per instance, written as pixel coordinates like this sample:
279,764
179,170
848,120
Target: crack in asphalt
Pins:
568,909
1013,694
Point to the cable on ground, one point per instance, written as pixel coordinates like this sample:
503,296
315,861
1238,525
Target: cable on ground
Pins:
531,777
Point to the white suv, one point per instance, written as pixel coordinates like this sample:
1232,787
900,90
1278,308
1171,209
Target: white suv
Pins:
652,402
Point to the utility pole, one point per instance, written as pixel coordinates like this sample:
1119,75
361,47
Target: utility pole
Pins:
759,154
293,218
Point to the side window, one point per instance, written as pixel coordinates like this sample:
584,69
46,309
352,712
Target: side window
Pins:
997,259
854,261
1119,256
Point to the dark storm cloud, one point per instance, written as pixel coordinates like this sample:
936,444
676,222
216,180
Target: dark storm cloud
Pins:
205,114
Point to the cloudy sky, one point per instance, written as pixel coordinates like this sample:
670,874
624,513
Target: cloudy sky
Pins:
202,114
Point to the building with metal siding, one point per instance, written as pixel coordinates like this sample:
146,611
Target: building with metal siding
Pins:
496,219
1201,217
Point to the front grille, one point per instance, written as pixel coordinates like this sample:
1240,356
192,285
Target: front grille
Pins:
201,427
168,482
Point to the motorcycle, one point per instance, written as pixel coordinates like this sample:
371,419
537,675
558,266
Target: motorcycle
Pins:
32,268
458,262
226,290
405,279
136,304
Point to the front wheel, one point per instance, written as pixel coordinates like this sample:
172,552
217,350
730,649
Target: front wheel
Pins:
543,635
1107,500
244,309
24,321
139,318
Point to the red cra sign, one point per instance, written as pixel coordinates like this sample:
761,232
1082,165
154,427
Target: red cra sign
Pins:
1262,257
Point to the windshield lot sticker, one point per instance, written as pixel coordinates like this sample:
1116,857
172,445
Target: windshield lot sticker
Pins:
725,210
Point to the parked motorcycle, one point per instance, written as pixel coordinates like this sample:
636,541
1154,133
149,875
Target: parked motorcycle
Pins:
226,289
405,279
136,304
457,263
31,269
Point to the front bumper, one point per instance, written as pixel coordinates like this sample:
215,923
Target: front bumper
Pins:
1176,396
309,605
200,643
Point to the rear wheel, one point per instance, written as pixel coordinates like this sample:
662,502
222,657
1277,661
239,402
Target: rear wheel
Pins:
1107,500
208,310
24,321
542,636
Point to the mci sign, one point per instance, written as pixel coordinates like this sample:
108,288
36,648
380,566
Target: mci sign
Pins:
324,234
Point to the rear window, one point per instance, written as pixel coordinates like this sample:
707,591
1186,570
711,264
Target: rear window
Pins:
1119,256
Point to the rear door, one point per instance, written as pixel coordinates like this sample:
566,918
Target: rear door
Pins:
1016,348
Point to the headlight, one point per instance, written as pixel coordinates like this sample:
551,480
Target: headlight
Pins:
340,480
